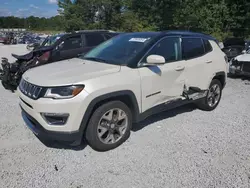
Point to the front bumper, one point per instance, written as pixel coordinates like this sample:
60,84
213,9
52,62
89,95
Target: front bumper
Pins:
40,132
71,130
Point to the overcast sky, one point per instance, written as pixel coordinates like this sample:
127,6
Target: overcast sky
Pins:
25,8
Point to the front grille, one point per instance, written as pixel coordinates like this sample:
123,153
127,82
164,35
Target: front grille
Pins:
29,89
246,67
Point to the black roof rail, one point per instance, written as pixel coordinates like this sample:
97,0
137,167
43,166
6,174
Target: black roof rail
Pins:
94,30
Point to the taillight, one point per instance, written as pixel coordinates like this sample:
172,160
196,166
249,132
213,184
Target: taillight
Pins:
45,56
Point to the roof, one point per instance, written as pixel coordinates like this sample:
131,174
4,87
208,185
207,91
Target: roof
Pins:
97,30
176,33
189,33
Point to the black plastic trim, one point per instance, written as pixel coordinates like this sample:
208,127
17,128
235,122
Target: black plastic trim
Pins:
222,73
26,103
162,107
156,93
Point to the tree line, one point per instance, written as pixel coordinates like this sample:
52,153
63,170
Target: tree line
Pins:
33,23
220,18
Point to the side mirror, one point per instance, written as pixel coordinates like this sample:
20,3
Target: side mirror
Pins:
244,51
155,60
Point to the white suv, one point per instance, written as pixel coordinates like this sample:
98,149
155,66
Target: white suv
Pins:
124,80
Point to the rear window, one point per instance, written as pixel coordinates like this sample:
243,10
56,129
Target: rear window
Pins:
192,48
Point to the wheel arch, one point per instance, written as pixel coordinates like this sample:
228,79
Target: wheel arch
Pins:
221,76
126,96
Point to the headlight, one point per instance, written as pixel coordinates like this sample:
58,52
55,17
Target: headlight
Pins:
64,92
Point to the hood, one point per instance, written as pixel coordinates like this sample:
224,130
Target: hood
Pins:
68,72
233,42
243,57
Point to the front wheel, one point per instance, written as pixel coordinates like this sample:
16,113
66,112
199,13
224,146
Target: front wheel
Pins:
109,126
212,99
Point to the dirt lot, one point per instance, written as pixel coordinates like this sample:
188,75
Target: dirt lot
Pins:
182,148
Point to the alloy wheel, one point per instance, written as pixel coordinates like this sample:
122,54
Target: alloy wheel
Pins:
214,94
112,126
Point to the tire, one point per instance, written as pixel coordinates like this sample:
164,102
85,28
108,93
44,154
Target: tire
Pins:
204,104
98,124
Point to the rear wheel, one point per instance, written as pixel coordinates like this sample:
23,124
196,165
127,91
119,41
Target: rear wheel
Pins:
109,126
212,99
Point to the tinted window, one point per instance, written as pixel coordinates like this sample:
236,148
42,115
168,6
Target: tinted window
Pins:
70,43
207,46
123,49
94,39
107,36
169,48
192,47
49,41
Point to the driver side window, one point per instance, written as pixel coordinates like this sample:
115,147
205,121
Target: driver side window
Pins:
169,48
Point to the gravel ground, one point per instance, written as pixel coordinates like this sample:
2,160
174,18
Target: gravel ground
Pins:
181,148
7,50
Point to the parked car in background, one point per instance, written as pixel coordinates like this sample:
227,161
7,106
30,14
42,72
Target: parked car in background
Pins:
247,44
54,48
10,38
233,47
3,37
98,96
240,65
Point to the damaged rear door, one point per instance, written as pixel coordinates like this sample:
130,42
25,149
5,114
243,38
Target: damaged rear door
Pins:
198,62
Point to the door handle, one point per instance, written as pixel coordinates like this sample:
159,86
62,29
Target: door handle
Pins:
208,61
179,68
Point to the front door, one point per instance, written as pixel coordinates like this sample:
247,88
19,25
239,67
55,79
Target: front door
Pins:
163,83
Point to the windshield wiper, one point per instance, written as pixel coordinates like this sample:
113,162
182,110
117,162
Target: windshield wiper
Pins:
96,59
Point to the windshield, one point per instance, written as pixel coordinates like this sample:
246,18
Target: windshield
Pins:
120,50
49,41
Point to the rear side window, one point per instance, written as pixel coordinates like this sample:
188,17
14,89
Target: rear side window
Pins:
71,43
94,39
192,48
207,46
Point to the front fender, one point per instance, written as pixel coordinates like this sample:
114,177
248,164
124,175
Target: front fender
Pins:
107,97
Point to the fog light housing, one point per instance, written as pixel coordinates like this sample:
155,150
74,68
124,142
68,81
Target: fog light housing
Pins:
55,118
